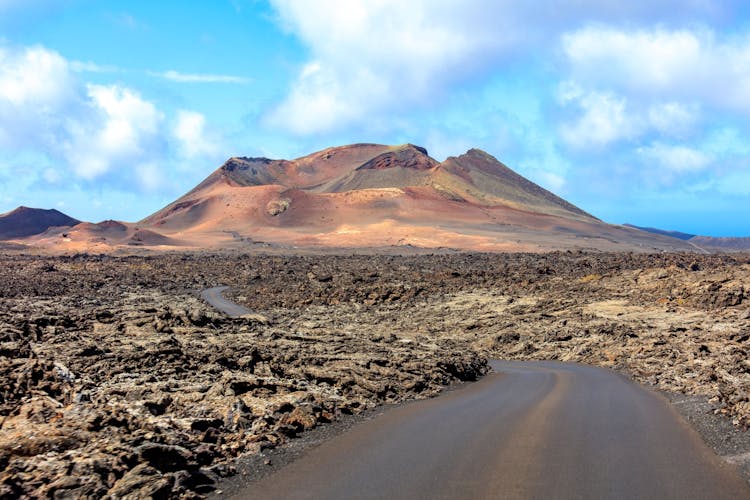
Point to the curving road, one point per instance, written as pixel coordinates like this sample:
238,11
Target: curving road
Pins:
531,430
214,297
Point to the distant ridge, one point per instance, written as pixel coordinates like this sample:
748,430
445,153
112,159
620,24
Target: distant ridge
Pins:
25,221
708,243
725,244
673,234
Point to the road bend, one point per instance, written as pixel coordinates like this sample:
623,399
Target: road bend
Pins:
214,296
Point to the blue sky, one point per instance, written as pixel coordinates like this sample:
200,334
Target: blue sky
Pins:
635,111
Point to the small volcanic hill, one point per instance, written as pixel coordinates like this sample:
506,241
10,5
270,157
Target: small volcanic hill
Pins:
371,195
25,221
101,237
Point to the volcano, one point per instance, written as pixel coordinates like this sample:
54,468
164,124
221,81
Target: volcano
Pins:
375,196
25,221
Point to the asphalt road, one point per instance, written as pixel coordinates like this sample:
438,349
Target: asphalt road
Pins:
214,297
533,430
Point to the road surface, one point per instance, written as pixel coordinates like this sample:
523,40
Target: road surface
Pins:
532,430
214,297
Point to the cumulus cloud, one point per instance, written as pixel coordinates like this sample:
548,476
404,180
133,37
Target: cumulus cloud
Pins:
370,59
664,164
75,130
121,129
676,158
685,65
640,60
36,92
645,96
673,118
33,75
604,119
193,137
370,56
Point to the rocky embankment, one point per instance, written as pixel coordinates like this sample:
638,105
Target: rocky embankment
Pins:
119,381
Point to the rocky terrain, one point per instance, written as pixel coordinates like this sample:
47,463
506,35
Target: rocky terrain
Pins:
120,381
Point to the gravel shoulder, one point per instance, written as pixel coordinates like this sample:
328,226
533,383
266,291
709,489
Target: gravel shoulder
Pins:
728,441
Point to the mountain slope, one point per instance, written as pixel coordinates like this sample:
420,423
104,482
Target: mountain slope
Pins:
498,184
25,221
370,195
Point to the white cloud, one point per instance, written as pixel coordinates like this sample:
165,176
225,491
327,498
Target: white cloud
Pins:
195,141
676,159
92,67
673,118
378,56
77,131
120,131
663,87
605,118
372,59
37,95
685,65
35,75
51,175
128,116
176,76
94,132
651,60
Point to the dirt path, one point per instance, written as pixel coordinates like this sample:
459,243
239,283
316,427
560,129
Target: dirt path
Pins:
532,430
